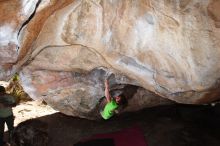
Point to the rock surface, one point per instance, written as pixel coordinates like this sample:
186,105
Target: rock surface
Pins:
13,15
155,50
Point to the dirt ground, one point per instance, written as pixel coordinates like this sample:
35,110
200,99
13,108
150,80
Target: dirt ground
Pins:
175,125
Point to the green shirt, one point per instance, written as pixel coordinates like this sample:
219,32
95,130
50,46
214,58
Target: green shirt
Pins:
108,111
6,111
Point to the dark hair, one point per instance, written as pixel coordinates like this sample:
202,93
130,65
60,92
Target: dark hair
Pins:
123,101
2,89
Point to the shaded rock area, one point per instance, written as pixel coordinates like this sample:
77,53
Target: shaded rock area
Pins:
175,125
30,133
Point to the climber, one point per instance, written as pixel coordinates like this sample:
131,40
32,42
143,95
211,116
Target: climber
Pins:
112,104
6,115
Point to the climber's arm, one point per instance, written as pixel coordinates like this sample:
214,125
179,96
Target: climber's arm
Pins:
107,94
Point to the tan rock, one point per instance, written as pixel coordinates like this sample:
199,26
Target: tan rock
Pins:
13,15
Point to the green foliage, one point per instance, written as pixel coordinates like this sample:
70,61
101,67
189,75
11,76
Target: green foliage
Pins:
16,90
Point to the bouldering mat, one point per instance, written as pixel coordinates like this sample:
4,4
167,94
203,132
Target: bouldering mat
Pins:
127,137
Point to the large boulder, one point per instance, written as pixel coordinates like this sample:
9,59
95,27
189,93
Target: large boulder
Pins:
156,50
13,15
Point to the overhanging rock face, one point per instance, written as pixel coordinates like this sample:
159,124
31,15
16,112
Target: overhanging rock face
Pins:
154,51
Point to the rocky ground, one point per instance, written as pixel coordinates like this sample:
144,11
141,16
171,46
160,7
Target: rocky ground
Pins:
175,125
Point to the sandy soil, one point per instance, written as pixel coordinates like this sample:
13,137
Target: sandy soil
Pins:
176,125
31,110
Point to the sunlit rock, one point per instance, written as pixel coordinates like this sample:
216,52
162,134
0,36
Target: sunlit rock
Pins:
13,15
